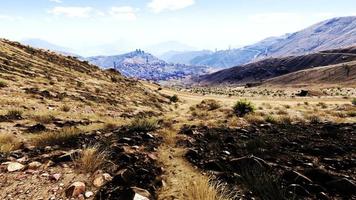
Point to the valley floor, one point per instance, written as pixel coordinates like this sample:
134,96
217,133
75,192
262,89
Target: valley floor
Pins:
289,148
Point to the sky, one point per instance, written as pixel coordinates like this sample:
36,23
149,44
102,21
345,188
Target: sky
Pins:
86,26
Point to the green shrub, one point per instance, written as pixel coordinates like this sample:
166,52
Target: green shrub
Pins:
353,101
174,98
243,107
3,84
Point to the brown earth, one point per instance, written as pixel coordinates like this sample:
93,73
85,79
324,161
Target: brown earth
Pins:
314,161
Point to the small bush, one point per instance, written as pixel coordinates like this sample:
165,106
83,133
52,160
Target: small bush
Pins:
243,107
209,104
65,108
174,98
14,114
353,101
90,159
144,124
3,84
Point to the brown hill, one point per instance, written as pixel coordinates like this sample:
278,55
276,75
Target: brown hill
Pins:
340,74
270,68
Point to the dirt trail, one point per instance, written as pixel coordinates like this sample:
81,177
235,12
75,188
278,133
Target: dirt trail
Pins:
183,181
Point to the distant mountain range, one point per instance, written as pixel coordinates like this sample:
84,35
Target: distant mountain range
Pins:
283,70
142,65
329,34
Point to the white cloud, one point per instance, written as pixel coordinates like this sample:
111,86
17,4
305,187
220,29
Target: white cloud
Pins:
123,13
81,12
56,1
158,6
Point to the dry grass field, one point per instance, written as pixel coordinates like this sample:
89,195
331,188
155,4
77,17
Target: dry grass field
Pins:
69,130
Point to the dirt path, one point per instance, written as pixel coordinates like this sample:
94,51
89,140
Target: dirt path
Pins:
183,181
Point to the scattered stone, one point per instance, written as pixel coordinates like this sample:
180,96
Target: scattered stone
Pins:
15,166
88,194
75,189
140,194
56,177
34,165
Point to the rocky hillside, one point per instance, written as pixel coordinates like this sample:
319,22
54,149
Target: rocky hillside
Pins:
142,65
60,120
329,34
274,67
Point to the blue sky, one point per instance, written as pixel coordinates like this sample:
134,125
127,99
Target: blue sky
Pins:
203,24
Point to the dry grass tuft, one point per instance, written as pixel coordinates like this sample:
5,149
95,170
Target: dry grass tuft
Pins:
9,142
144,124
91,159
203,189
44,119
65,108
55,137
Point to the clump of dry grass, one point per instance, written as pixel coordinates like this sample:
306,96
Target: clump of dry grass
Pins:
65,108
209,104
254,119
91,159
9,142
14,114
44,119
55,137
204,189
144,124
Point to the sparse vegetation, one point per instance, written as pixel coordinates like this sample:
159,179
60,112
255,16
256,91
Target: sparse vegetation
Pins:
174,98
353,101
91,159
63,136
9,142
144,124
209,104
3,84
65,108
243,107
14,114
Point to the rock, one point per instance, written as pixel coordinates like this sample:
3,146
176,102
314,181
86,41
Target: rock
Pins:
319,175
192,154
124,176
88,194
75,189
343,186
141,194
36,128
101,179
15,166
34,165
107,177
56,177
